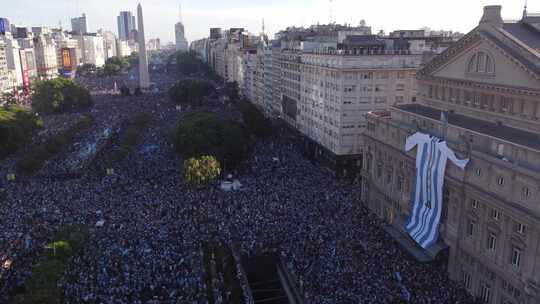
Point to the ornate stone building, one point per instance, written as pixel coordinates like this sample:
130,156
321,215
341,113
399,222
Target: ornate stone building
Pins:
488,87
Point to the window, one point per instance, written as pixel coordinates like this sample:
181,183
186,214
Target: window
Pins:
525,192
515,258
482,63
520,228
474,203
500,149
379,170
485,293
478,172
399,184
500,181
495,214
466,279
492,242
470,228
389,175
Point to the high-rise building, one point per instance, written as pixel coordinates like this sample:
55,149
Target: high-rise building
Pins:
480,99
46,57
79,25
181,41
109,43
5,84
4,26
215,33
126,24
92,49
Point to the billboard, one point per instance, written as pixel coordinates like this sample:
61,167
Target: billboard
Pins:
66,59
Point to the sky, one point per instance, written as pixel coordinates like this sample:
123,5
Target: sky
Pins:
199,15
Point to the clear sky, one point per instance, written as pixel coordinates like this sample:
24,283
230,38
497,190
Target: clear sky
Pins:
199,15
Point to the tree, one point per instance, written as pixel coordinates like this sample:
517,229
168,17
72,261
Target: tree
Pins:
8,98
16,127
255,121
201,170
122,62
204,133
232,90
133,59
111,69
188,63
58,95
86,69
190,91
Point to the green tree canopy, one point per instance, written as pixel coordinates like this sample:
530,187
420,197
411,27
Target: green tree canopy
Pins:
190,91
255,121
16,127
122,62
58,95
188,63
205,133
201,170
87,68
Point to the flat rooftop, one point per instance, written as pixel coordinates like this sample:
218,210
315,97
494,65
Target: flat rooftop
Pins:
521,137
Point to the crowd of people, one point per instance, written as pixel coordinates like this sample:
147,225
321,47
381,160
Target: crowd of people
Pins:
149,246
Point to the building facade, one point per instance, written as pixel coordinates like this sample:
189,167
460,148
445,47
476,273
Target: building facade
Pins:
482,96
46,56
126,24
79,25
5,84
180,37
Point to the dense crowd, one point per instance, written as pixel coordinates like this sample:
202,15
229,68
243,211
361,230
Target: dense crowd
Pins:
149,249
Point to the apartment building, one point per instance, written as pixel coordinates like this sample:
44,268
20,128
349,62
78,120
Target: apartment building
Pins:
46,56
5,84
338,88
481,96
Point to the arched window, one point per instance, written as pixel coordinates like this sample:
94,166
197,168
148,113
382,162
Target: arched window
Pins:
481,62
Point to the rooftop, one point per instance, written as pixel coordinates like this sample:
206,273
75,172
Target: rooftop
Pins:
521,137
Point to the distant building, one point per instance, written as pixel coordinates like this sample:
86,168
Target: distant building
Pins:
154,44
13,59
179,33
126,24
5,84
5,26
181,41
215,33
92,47
45,53
79,25
109,44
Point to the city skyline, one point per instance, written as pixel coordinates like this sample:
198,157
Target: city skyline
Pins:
199,16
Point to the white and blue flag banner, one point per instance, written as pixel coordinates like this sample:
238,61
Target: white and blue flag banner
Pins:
431,157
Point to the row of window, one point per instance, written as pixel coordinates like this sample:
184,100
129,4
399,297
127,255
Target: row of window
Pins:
501,181
482,100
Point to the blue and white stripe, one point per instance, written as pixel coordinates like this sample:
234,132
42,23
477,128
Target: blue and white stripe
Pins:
432,155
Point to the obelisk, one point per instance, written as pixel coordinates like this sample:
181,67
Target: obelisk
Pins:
144,78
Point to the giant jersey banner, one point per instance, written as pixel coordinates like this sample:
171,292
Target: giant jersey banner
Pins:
431,157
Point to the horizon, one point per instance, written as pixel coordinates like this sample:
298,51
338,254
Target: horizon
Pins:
199,17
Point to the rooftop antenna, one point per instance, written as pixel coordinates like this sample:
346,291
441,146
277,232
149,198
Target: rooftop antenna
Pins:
331,17
263,26
180,12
